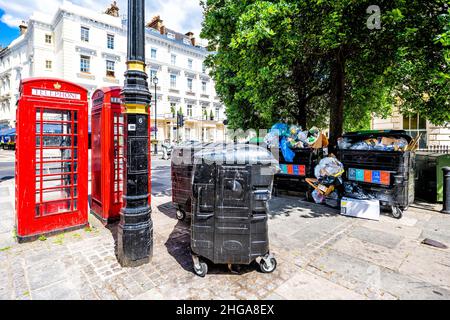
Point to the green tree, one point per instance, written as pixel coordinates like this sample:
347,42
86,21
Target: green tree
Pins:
308,61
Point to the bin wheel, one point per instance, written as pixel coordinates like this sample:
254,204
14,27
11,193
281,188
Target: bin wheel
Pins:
181,215
397,213
268,264
201,269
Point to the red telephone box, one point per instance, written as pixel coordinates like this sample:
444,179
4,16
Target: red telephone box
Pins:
107,154
51,158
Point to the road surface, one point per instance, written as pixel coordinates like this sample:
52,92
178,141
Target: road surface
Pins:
160,172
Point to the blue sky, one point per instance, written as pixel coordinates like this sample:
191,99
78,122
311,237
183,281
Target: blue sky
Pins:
7,34
180,15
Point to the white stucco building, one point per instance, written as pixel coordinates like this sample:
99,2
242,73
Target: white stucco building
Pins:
430,134
89,48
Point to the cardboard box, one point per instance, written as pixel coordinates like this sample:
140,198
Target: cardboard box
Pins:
365,209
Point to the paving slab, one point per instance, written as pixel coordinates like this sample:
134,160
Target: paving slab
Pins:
377,237
308,286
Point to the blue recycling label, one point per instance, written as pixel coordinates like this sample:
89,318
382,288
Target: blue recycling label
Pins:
376,176
352,174
359,175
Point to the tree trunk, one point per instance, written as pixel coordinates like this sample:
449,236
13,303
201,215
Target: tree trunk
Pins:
301,116
337,99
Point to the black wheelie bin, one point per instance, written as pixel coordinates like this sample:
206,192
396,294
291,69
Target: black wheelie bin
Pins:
181,165
380,162
292,175
231,187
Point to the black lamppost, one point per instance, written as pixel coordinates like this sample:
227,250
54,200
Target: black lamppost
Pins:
135,230
155,82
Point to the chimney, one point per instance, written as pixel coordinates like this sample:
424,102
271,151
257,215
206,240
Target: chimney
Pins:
191,37
23,27
157,24
113,10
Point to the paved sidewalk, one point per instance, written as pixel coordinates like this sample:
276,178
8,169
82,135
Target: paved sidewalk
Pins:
321,255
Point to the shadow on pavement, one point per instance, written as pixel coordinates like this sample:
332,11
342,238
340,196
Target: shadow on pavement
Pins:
285,206
6,178
179,246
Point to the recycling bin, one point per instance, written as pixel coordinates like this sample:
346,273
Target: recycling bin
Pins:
429,178
181,165
386,173
231,187
291,178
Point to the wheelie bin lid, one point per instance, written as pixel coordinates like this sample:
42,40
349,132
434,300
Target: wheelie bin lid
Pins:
367,134
236,154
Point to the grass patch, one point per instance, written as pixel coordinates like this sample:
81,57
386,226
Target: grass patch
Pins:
87,229
59,239
76,235
4,249
42,238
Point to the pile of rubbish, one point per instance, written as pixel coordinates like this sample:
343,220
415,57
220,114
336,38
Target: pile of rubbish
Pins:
379,144
329,187
293,137
329,178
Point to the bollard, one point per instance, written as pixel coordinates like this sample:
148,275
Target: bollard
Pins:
446,194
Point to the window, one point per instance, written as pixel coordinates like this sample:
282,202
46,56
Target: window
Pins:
153,73
190,63
170,35
203,68
48,38
110,41
189,84
217,113
187,133
84,34
85,64
187,41
189,110
173,81
415,125
153,53
48,64
204,113
110,68
173,59
204,86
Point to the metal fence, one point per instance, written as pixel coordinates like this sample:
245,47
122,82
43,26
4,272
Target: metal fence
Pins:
436,149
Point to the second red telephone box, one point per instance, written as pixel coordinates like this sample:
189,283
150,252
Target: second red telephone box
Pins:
107,154
51,158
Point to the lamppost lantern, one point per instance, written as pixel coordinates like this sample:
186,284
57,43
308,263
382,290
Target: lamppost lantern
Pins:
155,80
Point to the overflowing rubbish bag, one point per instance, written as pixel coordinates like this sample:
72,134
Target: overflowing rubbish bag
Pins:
294,137
376,143
328,167
328,181
299,152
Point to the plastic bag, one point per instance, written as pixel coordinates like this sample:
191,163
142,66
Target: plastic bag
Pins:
288,154
281,129
355,191
272,139
317,196
329,166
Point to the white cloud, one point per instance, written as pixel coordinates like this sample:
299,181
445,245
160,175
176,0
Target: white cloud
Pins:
10,20
180,15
